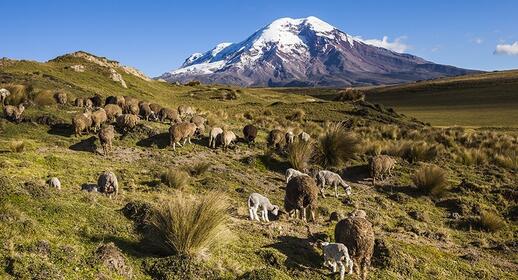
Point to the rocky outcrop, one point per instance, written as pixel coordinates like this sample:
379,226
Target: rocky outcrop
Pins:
117,78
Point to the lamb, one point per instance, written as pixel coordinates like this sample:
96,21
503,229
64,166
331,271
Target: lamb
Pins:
54,182
79,102
290,173
250,133
127,122
214,133
326,177
108,184
146,112
256,201
98,118
380,166
155,107
106,136
304,137
182,131
61,97
169,114
14,113
357,234
228,138
112,111
4,93
290,137
358,213
82,122
89,104
301,194
336,253
276,139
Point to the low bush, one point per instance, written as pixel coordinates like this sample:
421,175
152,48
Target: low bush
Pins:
44,98
431,180
297,115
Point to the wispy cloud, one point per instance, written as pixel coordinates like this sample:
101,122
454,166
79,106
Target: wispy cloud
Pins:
397,45
478,41
507,49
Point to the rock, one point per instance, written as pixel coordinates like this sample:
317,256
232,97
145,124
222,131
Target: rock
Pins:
117,78
335,216
78,68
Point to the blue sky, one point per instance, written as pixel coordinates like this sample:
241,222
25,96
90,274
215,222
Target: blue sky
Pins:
156,36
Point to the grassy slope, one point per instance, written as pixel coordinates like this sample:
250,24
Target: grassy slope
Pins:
75,223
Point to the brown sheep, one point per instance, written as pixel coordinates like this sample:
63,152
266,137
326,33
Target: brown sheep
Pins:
14,113
61,97
82,122
127,122
96,100
380,166
301,194
184,111
199,121
79,102
182,131
155,107
169,114
98,118
357,235
146,112
131,105
106,136
89,104
250,133
121,101
112,111
276,139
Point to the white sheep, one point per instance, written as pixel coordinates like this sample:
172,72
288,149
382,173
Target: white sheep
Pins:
326,177
337,253
4,93
304,137
54,183
228,138
290,137
256,201
290,173
213,135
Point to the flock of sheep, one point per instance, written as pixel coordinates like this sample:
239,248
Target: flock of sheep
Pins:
354,235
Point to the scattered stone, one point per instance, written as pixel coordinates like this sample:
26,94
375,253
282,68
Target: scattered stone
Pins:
78,68
117,77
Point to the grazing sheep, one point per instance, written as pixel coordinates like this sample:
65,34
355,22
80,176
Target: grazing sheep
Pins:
326,177
131,105
82,122
99,117
380,166
54,183
228,138
120,101
155,107
108,184
127,122
89,104
336,253
256,201
250,133
4,93
290,173
106,136
14,113
304,137
97,101
61,97
199,121
182,131
357,235
146,112
110,100
112,111
184,111
358,213
276,139
169,114
79,102
214,133
290,137
301,194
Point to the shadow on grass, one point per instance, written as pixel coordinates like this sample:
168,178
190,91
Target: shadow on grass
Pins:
356,173
63,129
301,255
85,145
274,164
160,140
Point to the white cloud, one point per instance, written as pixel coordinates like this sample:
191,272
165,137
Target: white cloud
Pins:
478,41
397,45
507,49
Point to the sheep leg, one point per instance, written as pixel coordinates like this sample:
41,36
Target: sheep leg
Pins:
333,266
336,190
189,140
350,264
312,213
266,214
342,270
256,217
251,212
303,212
322,191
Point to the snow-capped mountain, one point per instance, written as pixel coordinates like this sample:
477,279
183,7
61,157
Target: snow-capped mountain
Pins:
305,52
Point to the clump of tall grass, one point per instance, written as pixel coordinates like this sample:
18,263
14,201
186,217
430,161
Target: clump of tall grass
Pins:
431,180
17,146
507,161
175,178
190,226
297,115
351,95
44,98
299,154
491,221
336,146
18,95
199,168
472,156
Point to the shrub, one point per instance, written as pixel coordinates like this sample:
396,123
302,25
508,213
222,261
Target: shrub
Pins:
299,154
431,179
335,146
199,168
174,178
297,116
190,226
349,94
193,83
17,146
18,93
45,98
491,221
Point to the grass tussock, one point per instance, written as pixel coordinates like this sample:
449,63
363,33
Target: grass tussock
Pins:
431,180
297,115
174,178
336,146
350,95
199,168
472,156
188,226
299,154
491,221
45,98
17,146
18,95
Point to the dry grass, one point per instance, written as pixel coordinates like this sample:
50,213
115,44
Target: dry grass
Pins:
18,93
297,115
431,179
299,154
45,98
190,226
351,95
17,146
175,178
199,168
336,146
491,221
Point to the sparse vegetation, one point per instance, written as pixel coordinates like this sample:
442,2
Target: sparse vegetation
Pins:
199,168
431,179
